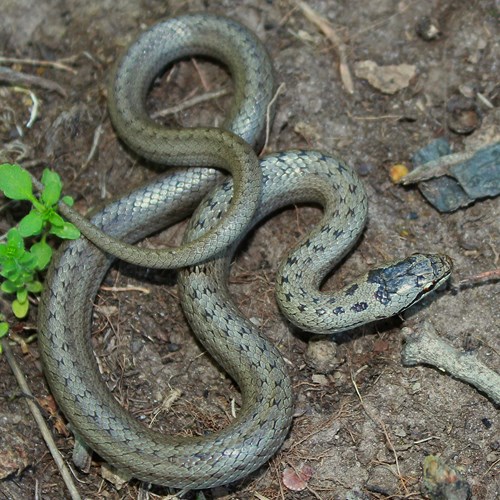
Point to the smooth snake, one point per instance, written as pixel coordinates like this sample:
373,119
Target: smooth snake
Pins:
288,178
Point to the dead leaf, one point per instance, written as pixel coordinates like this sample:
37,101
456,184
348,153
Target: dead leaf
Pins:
388,79
49,404
296,479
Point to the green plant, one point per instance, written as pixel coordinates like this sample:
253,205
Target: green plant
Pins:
18,266
4,329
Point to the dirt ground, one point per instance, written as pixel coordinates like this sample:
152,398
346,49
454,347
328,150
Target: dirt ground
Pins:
366,427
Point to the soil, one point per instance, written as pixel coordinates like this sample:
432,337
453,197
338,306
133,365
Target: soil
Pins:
365,427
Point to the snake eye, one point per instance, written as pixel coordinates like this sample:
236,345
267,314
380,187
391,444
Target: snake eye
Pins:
421,281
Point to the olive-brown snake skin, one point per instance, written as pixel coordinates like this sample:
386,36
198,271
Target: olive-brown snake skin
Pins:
237,345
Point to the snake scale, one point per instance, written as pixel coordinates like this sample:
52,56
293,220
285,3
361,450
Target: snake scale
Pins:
221,213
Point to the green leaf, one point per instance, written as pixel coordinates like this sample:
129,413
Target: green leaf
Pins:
4,328
34,287
14,239
31,224
52,187
8,286
68,200
55,219
9,270
15,182
68,231
22,295
4,252
19,309
27,261
42,253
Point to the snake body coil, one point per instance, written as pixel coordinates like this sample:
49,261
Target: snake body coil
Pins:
255,365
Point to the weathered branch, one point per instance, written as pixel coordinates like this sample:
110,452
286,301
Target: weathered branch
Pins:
424,346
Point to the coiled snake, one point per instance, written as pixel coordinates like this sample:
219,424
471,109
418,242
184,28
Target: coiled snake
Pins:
256,366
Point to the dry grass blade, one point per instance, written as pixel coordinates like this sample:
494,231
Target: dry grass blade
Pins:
338,44
38,62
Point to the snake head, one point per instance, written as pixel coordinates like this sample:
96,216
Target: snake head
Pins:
403,283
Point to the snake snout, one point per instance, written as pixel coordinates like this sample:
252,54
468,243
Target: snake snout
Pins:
440,265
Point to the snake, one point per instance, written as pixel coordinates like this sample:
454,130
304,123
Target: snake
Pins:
239,347
228,148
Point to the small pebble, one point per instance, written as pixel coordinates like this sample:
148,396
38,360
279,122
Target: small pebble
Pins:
428,29
463,117
363,169
399,431
173,347
136,345
321,356
486,422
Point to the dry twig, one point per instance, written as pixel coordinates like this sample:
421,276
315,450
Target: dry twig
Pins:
188,103
39,62
382,425
269,113
424,346
481,278
436,168
16,78
35,411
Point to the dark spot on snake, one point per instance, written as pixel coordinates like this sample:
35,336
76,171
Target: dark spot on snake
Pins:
382,296
338,233
338,310
350,291
359,306
288,296
301,307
